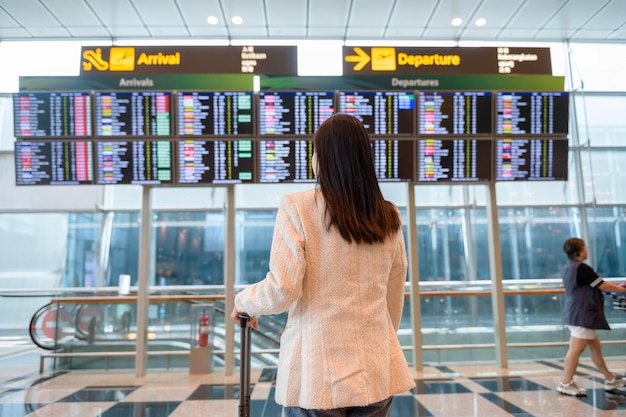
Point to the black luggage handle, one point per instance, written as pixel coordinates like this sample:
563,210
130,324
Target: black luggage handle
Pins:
244,365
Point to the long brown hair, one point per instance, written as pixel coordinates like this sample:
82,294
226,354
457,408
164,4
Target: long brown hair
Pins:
347,180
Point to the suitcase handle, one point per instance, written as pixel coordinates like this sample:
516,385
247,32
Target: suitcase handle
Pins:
244,366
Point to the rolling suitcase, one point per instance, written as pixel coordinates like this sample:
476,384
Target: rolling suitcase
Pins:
244,365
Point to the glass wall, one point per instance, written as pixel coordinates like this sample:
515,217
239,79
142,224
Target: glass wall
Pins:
52,247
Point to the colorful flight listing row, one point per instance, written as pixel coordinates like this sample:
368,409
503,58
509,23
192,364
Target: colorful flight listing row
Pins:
231,114
194,161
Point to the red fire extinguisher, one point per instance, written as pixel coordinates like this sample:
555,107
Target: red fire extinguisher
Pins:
203,331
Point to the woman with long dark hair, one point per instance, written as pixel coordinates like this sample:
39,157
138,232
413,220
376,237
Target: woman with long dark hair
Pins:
338,265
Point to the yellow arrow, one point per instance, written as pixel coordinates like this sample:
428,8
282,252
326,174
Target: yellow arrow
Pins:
361,57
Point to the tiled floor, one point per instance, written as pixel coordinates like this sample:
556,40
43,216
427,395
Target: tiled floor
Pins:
525,389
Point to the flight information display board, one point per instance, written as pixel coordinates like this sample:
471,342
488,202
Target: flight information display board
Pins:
529,159
459,160
214,113
294,112
455,113
52,115
393,160
53,163
215,162
382,113
532,113
285,161
133,114
134,162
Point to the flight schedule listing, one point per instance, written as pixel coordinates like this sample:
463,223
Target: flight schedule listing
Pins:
532,113
382,113
295,112
455,113
531,159
135,114
393,159
215,162
214,113
286,161
53,163
53,115
454,160
134,162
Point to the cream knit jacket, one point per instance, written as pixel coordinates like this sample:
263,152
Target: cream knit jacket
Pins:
339,347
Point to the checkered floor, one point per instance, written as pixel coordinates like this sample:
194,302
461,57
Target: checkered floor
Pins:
440,391
524,389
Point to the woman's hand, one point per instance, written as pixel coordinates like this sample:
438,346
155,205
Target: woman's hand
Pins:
252,321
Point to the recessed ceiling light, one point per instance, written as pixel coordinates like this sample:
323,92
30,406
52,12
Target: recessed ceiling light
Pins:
237,20
481,21
212,20
457,21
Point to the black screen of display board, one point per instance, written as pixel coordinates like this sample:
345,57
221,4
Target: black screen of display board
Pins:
532,113
215,162
52,115
133,114
528,159
134,162
458,160
294,112
53,163
393,159
382,113
455,113
214,113
285,161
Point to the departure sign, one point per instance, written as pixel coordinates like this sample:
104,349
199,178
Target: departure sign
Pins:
215,162
294,113
52,115
285,161
532,113
393,160
455,113
214,113
530,159
133,114
441,160
134,162
53,163
382,113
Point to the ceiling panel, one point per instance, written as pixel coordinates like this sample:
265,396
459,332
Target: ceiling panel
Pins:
252,12
6,21
410,13
327,32
507,20
194,12
332,13
574,14
72,13
115,12
611,16
287,13
216,31
535,13
163,13
447,10
128,31
592,34
88,31
29,13
373,13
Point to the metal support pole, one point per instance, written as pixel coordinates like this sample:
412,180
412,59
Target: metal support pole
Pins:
145,242
495,270
414,273
229,278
